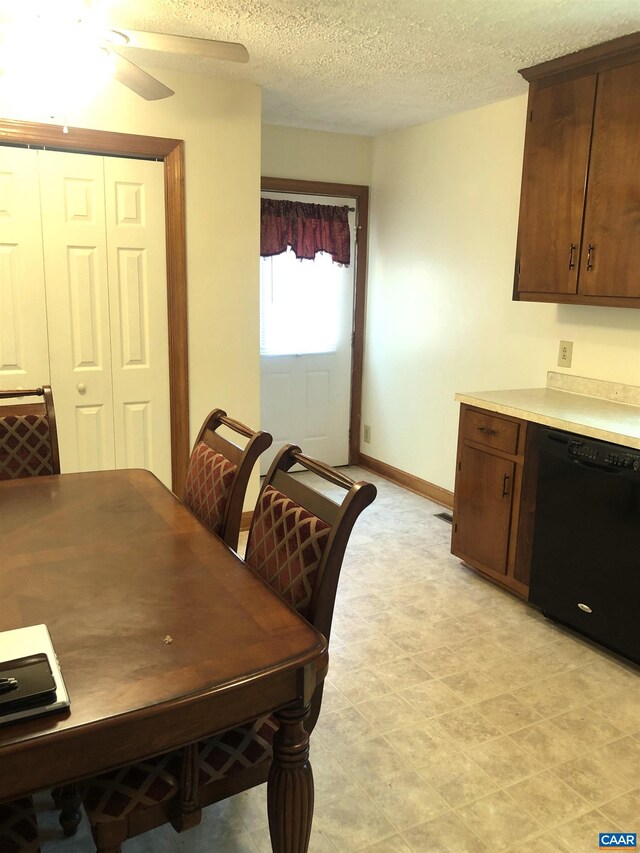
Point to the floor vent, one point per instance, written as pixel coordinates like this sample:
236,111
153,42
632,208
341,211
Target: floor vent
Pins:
445,516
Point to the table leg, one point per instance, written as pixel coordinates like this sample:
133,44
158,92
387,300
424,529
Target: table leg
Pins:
290,784
67,799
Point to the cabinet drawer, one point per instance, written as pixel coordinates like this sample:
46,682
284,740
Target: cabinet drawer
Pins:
492,431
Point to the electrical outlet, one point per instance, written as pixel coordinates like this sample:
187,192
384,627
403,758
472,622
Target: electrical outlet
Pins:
367,434
565,352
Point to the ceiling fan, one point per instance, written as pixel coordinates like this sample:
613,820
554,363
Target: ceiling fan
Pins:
143,84
72,32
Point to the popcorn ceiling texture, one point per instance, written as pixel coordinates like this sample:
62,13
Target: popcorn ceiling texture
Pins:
372,66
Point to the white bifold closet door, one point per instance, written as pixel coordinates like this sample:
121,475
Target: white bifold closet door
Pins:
24,354
103,250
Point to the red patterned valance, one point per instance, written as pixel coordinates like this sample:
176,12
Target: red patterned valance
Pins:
307,228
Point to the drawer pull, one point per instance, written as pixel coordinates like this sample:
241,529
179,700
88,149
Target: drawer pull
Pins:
572,263
505,483
487,430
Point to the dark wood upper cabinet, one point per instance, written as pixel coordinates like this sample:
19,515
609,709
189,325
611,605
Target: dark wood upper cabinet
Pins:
579,226
612,215
553,181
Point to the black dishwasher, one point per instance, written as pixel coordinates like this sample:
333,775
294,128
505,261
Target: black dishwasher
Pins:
585,566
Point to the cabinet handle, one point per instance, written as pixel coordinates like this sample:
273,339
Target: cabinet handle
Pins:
572,263
590,249
486,430
505,482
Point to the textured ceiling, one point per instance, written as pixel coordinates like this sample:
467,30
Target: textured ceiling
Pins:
371,66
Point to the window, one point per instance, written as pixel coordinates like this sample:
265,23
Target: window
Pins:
300,304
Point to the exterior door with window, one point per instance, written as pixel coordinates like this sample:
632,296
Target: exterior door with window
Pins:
306,324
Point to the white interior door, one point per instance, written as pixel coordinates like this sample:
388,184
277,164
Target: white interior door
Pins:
305,350
24,357
138,309
75,260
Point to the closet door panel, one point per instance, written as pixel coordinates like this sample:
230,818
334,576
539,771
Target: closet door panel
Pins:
75,260
138,304
24,356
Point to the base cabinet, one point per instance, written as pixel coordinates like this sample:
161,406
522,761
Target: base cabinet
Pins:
494,493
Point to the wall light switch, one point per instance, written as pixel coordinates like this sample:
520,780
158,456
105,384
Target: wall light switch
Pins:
565,353
367,433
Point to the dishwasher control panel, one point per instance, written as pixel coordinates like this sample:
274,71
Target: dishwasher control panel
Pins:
583,451
624,460
602,454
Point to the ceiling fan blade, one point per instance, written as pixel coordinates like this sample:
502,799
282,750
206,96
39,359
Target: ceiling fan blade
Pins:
231,51
139,81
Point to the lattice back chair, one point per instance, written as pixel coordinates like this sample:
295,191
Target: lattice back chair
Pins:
218,474
28,435
297,540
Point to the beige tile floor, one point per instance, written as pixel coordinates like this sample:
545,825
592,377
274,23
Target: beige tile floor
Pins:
455,717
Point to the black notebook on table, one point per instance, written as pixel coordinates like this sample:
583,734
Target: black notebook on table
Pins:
31,682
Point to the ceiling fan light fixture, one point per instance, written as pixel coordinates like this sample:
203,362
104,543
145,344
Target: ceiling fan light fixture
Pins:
116,38
78,52
71,68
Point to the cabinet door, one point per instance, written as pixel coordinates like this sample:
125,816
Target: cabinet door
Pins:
483,508
612,219
553,183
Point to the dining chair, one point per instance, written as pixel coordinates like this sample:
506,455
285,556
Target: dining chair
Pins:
217,478
18,827
218,473
28,435
296,545
28,448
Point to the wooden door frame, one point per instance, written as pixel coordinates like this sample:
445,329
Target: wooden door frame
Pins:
171,153
360,193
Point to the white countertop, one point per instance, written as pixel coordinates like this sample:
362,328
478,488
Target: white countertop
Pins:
592,416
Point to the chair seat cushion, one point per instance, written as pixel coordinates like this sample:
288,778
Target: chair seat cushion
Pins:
209,479
236,749
113,795
18,827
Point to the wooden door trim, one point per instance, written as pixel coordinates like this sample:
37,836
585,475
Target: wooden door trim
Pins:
360,193
171,152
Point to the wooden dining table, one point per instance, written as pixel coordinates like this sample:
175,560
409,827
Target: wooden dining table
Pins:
163,636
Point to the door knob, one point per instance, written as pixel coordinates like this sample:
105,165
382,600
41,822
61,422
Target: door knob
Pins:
81,387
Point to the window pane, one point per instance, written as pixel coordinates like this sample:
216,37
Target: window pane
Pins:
300,310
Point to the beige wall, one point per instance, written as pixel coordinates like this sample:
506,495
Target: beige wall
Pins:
220,123
289,152
440,316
